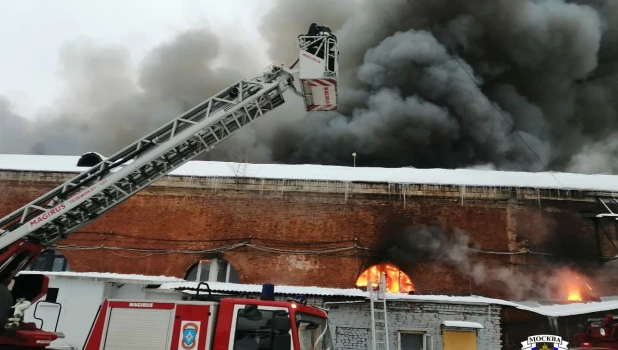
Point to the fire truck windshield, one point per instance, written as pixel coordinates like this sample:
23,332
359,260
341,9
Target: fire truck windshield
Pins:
313,332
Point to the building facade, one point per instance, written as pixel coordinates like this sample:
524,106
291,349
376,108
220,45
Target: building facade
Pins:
415,325
248,228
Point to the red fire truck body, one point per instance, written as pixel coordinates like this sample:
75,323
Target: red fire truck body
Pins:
231,323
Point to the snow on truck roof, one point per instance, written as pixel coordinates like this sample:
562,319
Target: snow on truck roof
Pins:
454,177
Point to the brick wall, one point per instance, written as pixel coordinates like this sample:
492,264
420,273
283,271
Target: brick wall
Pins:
352,323
312,232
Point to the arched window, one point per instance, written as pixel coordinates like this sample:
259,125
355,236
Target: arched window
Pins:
396,280
212,270
49,260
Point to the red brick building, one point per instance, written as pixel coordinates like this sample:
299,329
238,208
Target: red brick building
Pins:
323,226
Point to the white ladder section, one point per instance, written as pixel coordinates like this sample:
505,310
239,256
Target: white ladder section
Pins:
379,316
82,199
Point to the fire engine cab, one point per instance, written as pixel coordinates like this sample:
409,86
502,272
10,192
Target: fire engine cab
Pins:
205,323
598,333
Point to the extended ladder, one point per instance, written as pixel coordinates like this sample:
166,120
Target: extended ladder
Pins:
379,316
81,200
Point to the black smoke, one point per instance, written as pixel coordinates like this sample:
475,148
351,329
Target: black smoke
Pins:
549,278
520,85
513,84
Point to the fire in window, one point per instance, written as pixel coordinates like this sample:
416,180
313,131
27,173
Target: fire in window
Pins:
396,280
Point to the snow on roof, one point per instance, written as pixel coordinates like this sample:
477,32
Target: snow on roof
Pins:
173,283
256,288
559,310
457,177
339,292
108,277
572,309
462,324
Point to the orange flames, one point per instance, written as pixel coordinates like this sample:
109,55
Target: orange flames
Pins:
396,280
575,288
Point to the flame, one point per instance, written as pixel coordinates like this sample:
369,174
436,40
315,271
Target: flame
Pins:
396,280
575,287
574,294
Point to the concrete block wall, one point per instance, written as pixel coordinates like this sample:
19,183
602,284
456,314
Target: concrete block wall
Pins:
351,323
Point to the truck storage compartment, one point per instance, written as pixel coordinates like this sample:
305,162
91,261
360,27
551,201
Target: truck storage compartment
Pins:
136,329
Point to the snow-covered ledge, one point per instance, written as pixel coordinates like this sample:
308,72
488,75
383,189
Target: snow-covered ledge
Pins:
462,324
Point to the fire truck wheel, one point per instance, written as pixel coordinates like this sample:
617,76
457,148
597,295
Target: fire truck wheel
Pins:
6,302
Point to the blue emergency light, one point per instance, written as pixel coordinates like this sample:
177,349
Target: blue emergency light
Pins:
268,292
302,299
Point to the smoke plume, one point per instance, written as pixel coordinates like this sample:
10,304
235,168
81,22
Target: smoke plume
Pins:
515,85
432,243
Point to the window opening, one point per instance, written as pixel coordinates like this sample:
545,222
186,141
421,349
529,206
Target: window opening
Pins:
49,260
212,270
396,280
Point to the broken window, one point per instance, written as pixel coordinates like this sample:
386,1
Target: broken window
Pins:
396,280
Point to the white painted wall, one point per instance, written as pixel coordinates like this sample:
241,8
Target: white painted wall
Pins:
80,300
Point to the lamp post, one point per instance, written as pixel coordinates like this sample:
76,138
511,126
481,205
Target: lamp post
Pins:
354,155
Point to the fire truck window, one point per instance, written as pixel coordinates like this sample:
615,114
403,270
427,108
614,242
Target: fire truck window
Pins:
253,329
212,270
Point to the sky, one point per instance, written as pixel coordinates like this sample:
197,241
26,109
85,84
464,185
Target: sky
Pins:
543,96
33,32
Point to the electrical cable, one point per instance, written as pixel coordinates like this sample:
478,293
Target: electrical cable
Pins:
271,240
222,249
226,248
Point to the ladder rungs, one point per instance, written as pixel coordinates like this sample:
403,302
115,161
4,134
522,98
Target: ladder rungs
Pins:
380,320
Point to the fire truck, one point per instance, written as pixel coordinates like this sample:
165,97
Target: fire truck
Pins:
598,333
194,324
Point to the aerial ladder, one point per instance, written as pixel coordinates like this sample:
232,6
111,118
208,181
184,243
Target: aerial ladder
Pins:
38,225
